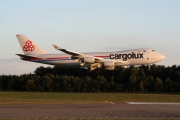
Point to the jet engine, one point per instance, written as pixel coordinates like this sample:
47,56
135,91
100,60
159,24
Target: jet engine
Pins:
109,68
88,60
109,65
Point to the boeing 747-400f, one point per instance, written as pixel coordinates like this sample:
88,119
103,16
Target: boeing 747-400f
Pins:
107,60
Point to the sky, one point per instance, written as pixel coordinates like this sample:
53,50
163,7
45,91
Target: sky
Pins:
88,26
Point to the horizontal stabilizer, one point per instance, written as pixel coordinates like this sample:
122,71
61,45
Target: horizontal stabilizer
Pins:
26,56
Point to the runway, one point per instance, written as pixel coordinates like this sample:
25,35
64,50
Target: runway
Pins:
91,110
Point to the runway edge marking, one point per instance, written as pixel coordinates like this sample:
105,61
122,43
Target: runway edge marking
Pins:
153,103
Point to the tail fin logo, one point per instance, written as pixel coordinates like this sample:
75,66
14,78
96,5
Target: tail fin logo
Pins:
28,46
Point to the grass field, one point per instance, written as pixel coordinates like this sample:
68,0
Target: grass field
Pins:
60,98
92,119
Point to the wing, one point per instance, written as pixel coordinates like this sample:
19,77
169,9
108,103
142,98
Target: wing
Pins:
76,55
68,51
92,62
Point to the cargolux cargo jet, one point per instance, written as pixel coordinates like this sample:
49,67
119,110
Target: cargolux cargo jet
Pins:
92,61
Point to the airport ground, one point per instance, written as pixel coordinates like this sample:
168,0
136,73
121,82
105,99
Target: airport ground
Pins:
59,98
36,105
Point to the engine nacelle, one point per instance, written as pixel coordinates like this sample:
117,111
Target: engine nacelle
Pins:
109,64
109,68
89,60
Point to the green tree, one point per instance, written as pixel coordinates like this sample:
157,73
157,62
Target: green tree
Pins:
141,86
150,84
132,83
29,85
158,85
47,82
168,85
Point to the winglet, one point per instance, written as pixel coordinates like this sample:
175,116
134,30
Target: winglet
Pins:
56,47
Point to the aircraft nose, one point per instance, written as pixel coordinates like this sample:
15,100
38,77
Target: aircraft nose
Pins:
162,57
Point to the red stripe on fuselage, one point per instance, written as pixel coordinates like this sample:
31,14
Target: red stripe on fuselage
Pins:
102,56
59,58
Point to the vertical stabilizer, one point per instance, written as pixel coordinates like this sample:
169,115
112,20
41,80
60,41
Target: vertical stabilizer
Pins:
28,46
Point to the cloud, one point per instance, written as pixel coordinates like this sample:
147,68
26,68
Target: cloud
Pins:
17,66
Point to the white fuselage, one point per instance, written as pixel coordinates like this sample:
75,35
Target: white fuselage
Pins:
108,60
126,57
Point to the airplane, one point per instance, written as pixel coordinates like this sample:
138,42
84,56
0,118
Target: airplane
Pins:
91,61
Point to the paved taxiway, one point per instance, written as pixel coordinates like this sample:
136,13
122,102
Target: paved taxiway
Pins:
91,110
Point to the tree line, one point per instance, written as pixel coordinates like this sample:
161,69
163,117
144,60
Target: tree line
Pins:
157,79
